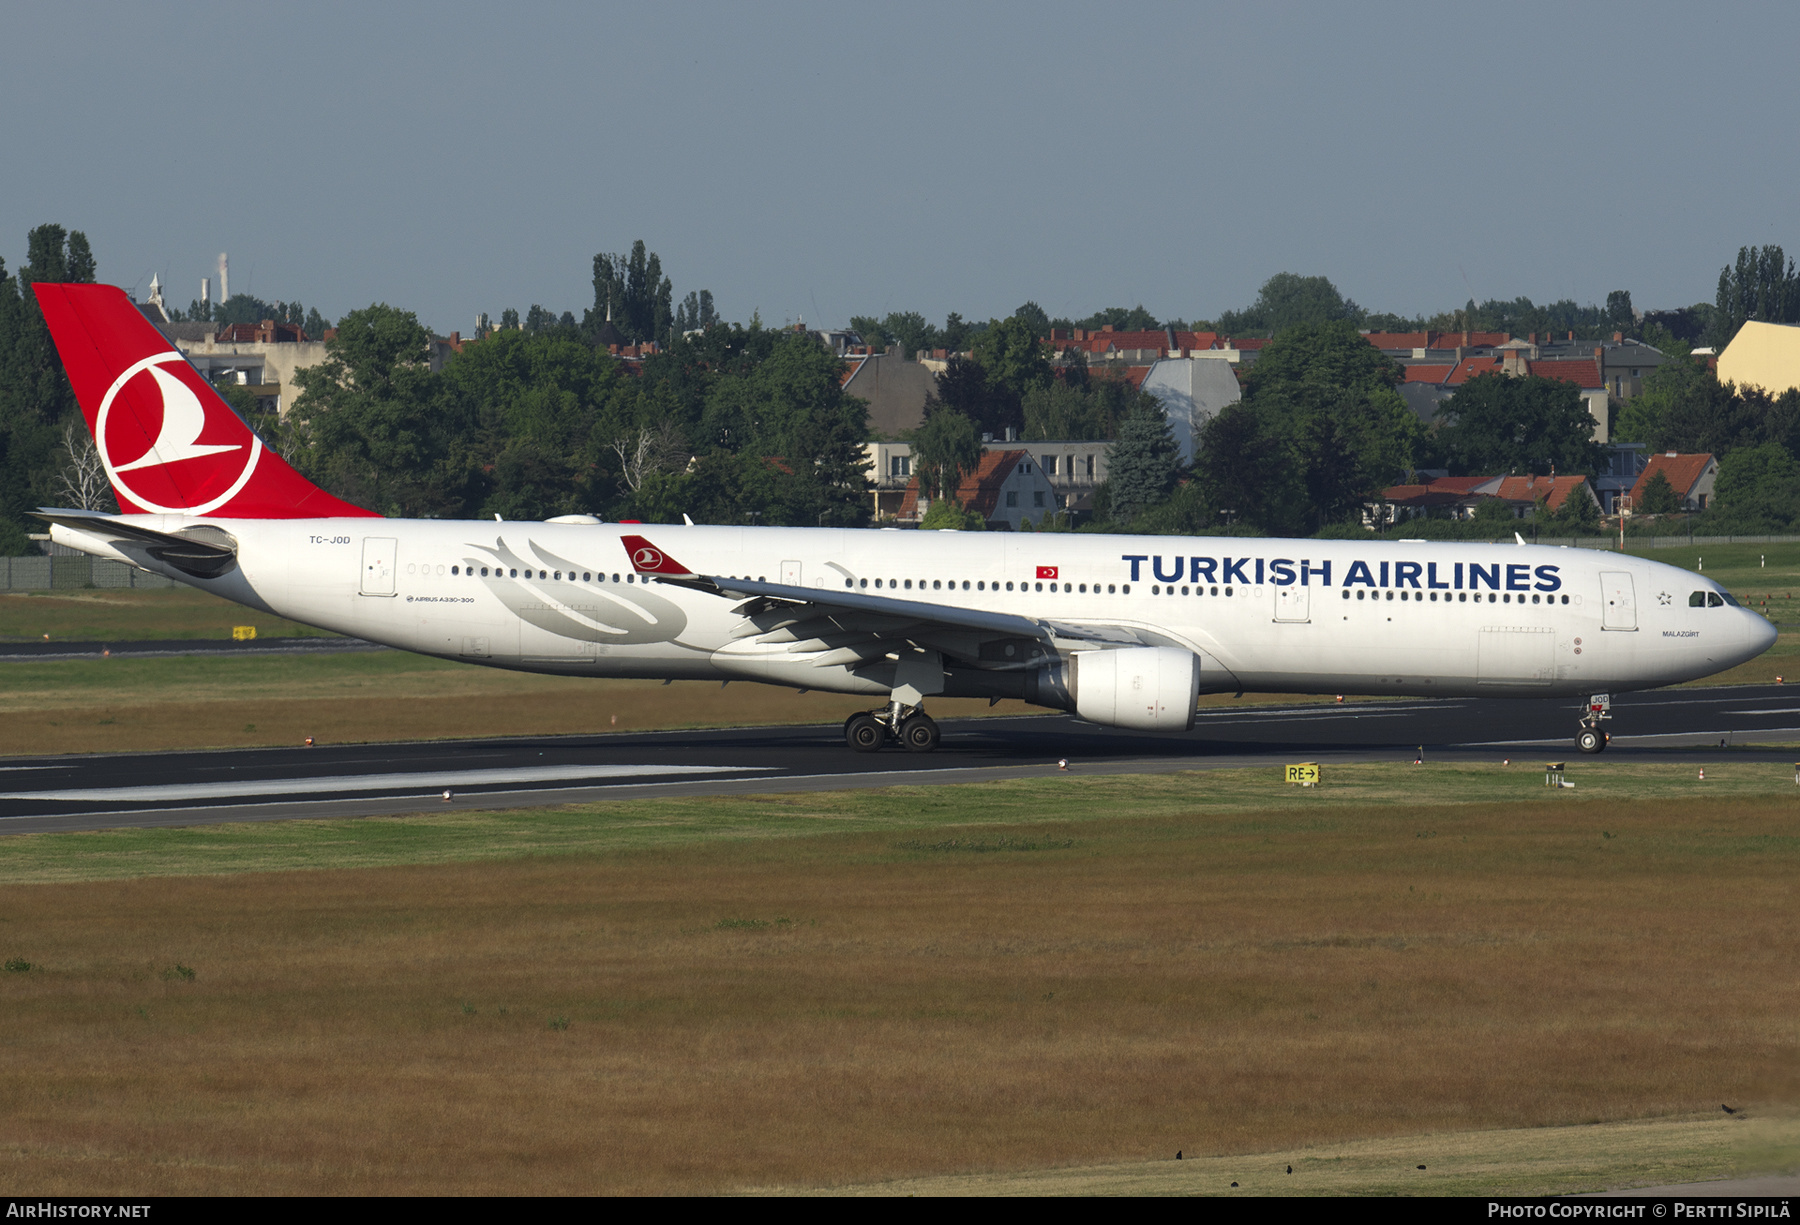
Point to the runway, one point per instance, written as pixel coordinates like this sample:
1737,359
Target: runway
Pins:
185,788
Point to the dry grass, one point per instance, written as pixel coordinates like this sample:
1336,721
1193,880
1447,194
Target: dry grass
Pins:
880,1004
131,704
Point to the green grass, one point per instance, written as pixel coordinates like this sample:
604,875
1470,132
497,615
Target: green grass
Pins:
1257,797
128,615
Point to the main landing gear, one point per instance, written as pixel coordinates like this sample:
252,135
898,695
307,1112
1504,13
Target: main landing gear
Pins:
1590,739
910,725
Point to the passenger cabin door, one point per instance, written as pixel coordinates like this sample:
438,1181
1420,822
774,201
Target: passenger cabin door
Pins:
1620,609
1292,603
378,565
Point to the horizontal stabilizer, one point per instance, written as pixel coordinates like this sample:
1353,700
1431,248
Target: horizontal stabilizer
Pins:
202,551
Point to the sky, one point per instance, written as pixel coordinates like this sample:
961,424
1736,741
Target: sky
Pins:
822,160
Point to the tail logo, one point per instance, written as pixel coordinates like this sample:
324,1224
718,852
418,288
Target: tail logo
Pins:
161,473
647,559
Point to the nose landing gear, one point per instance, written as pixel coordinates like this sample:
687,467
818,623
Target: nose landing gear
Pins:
910,725
1590,739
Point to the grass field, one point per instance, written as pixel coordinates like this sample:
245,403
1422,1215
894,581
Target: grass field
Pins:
1065,979
127,704
128,615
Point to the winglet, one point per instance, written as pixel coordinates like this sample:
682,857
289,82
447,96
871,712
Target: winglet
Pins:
1518,538
646,558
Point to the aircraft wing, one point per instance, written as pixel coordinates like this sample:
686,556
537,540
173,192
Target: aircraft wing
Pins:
847,626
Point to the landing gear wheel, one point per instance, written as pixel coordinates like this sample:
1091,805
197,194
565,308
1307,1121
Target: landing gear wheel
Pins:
1590,740
919,734
865,733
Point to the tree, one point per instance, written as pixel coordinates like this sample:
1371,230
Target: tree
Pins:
797,413
36,400
964,387
696,312
909,330
1758,489
944,515
1120,319
1763,285
1578,514
1659,497
371,429
632,291
1320,431
1064,411
1287,300
1619,315
1032,316
529,419
1013,356
1499,423
81,481
945,449
1143,465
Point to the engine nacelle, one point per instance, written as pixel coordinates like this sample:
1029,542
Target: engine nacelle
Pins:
1148,689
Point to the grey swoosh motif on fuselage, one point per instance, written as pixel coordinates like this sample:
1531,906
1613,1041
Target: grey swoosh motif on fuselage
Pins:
590,615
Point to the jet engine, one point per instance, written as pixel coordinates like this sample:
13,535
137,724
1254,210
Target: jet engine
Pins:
1147,689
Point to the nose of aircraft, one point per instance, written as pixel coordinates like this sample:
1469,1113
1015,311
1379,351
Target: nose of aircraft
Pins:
1759,634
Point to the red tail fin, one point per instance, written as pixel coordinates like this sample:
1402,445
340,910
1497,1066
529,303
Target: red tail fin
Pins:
169,443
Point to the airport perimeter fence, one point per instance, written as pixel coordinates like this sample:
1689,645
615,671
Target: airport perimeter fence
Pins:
1651,542
62,573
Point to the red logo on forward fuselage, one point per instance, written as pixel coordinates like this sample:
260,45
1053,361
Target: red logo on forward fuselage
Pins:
167,441
1046,572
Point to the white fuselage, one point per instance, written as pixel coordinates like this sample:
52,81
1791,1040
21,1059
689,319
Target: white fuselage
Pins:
1270,615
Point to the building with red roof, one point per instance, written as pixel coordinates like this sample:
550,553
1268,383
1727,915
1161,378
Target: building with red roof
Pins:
1005,488
1691,476
1458,497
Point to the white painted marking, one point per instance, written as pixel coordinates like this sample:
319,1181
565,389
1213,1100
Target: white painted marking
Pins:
425,781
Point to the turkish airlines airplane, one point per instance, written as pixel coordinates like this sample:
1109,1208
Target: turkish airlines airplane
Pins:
1124,631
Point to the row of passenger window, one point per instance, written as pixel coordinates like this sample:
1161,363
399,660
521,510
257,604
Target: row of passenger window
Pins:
1462,597
587,576
896,584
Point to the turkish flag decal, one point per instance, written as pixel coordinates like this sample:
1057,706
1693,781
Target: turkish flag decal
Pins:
1046,572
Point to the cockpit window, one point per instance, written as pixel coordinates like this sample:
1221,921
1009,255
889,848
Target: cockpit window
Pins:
1731,600
1697,600
1713,600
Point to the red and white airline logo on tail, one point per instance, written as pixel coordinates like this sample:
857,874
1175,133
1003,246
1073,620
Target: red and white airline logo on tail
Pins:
159,472
169,443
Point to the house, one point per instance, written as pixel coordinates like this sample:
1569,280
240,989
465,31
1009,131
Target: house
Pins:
1523,493
1765,355
1441,497
1425,386
1458,497
1691,477
895,389
1072,469
263,357
1620,464
1193,390
1005,489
